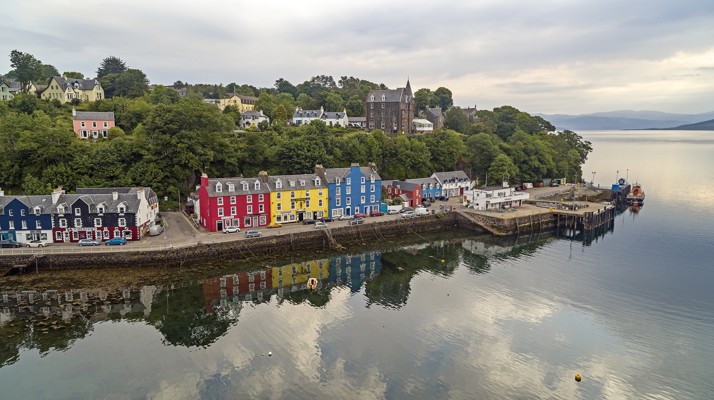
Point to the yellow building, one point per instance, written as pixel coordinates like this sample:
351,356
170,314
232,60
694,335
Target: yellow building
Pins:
295,275
241,102
67,89
295,198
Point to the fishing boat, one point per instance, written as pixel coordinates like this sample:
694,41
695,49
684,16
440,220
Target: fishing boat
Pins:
636,197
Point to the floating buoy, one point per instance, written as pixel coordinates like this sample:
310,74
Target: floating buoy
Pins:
578,378
312,283
270,354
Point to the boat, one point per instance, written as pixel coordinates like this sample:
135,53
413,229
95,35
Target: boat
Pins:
636,197
620,190
312,283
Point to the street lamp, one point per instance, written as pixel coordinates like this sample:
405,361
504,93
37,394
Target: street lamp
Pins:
593,181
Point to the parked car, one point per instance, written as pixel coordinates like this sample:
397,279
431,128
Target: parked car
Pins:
356,221
554,184
360,215
308,221
426,203
376,214
392,212
275,225
231,229
406,209
117,241
10,244
408,214
327,219
88,242
252,234
36,243
320,225
344,217
156,230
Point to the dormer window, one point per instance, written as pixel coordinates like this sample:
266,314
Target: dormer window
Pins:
292,183
302,182
231,187
318,182
100,209
256,185
60,210
371,178
245,185
122,209
384,97
337,181
278,184
219,187
371,98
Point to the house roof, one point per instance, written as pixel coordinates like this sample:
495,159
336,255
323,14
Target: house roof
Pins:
44,201
295,182
130,201
405,196
390,96
238,186
332,173
451,176
149,193
94,115
424,181
252,115
300,113
436,112
241,96
357,119
82,84
405,185
333,115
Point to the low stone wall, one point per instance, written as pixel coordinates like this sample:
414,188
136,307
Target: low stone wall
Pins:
242,249
508,226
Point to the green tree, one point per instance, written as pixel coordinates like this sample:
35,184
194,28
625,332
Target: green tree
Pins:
266,103
131,83
502,168
444,98
27,68
33,186
355,107
73,74
456,119
287,101
115,133
111,65
333,102
283,86
481,150
446,148
305,102
163,95
280,115
48,71
424,98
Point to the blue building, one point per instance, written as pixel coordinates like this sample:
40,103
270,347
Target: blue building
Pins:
351,190
25,218
430,188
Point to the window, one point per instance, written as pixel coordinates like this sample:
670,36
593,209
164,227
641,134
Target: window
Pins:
246,221
362,199
371,188
244,185
371,199
219,187
12,224
100,209
82,124
38,225
363,189
292,195
292,205
278,184
261,208
278,195
348,181
256,186
105,124
279,207
77,211
231,187
220,212
250,209
24,225
382,105
384,97
249,198
106,234
337,181
62,223
338,202
97,222
233,199
307,203
22,213
348,190
220,201
122,222
348,201
121,209
78,222
261,198
233,210
319,203
263,221
58,236
94,124
371,98
337,191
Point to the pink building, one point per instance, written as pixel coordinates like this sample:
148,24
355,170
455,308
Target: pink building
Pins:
91,124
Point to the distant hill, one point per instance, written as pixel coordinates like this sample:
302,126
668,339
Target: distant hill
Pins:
624,119
699,126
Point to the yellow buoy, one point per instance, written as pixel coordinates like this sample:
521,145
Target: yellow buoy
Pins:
578,378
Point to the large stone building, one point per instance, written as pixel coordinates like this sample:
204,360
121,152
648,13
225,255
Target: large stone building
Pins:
391,110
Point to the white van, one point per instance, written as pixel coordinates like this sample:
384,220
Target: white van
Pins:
419,210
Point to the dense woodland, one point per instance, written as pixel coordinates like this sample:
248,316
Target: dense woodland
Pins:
165,141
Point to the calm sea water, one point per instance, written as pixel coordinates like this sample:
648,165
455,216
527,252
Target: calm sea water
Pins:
456,317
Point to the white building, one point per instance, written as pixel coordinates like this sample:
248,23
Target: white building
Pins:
336,118
494,198
422,125
453,183
304,117
249,118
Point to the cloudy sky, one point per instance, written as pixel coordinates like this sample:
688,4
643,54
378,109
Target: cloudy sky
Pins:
549,56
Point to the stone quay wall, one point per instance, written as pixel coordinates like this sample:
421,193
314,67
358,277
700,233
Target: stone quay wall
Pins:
247,248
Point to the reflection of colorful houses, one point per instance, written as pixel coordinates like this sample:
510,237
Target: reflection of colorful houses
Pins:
354,270
242,286
295,275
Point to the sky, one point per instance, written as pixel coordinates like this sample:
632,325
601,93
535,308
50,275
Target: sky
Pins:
546,56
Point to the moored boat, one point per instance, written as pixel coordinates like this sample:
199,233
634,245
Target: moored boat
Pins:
636,197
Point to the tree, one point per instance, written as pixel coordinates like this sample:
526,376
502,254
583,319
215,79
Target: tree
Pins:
33,186
115,133
48,71
163,95
27,68
266,103
424,99
355,107
280,115
305,102
503,168
283,86
444,98
111,65
333,102
131,83
73,74
456,119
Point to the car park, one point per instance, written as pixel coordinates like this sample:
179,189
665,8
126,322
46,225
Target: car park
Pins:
356,221
156,230
376,214
10,244
117,241
36,243
88,242
231,229
320,225
253,233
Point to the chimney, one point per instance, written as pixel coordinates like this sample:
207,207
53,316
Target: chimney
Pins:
320,171
140,193
2,192
115,195
56,193
204,180
263,176
372,166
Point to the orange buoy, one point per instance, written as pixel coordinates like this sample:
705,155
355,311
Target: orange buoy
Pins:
578,378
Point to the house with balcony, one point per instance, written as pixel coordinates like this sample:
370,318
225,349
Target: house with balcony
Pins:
352,190
233,202
92,124
294,198
494,198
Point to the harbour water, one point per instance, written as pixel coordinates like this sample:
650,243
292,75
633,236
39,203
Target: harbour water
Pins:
456,316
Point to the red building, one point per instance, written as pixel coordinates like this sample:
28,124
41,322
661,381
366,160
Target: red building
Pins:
91,124
243,286
410,193
229,202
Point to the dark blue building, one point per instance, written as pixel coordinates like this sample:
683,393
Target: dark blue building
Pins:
25,218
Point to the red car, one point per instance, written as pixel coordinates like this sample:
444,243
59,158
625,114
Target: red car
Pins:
376,214
359,215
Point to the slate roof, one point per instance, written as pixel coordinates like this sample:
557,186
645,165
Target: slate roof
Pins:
242,97
238,186
451,176
357,119
296,182
436,112
252,115
333,115
391,96
44,201
332,173
94,116
149,193
424,181
404,185
92,196
82,84
300,113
